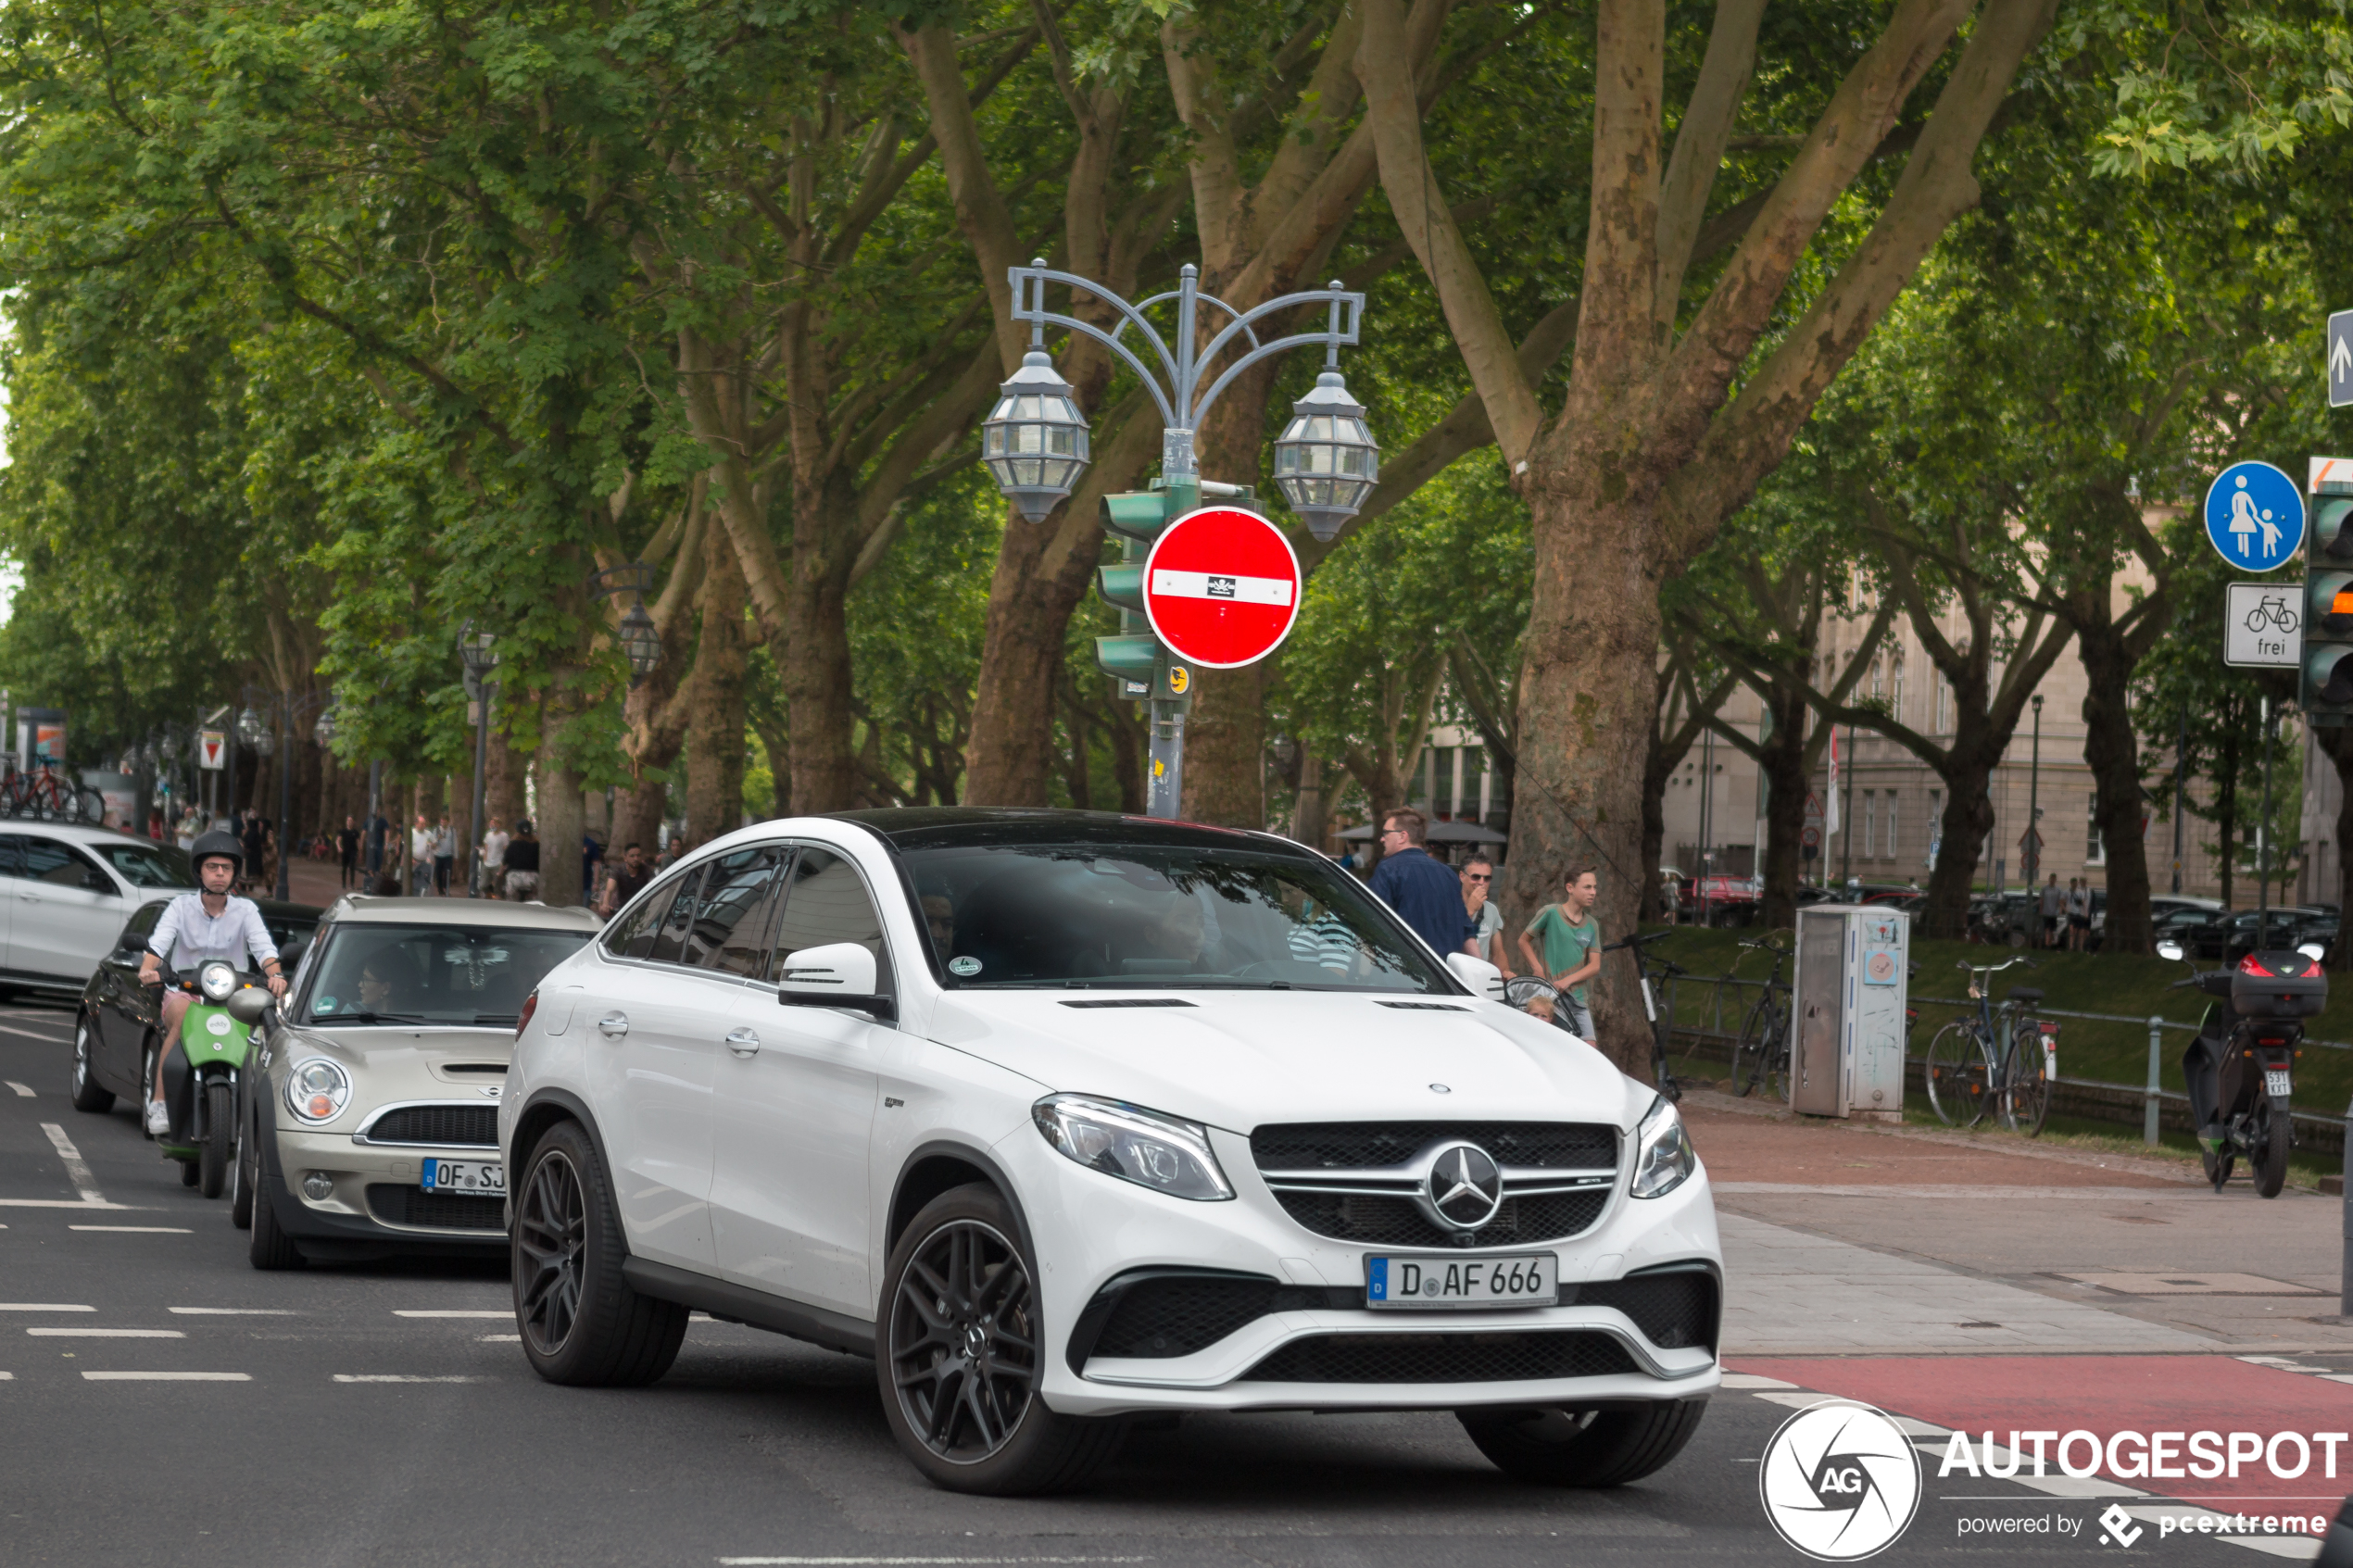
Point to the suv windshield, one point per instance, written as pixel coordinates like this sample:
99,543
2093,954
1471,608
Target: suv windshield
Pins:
433,974
147,865
1083,915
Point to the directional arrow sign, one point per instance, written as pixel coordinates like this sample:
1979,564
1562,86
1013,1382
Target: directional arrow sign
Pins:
2340,359
1221,587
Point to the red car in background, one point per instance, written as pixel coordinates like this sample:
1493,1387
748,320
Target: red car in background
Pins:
1727,900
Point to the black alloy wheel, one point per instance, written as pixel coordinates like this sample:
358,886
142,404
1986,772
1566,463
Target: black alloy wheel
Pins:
2268,1139
962,1357
550,1244
88,1093
964,1341
581,1322
220,1142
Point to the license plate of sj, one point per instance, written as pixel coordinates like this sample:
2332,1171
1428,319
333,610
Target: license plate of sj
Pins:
1423,1281
2275,1081
465,1175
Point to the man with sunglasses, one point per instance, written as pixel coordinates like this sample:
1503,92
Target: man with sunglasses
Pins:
1486,941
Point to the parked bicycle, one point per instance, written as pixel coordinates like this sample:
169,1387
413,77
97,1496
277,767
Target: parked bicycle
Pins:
1760,1057
2003,1060
1662,1025
46,796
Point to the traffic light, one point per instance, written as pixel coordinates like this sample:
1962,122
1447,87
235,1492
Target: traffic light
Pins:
2326,687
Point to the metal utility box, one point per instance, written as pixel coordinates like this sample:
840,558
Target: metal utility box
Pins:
1848,1057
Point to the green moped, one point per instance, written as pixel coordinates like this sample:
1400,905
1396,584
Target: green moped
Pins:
201,1075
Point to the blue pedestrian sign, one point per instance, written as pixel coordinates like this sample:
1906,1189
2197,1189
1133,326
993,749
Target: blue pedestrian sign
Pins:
2255,515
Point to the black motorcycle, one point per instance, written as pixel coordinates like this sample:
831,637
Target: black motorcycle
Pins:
2240,1070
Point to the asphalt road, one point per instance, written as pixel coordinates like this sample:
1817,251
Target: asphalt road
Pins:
384,1416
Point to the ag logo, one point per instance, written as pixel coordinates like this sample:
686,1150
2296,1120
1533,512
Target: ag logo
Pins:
1840,1481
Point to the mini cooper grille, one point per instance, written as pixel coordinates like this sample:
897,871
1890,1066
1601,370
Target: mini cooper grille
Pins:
1176,1317
453,1125
436,1211
1674,1311
1348,1146
1443,1358
1396,1222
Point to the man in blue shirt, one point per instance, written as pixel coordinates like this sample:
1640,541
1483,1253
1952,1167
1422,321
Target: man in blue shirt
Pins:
1425,894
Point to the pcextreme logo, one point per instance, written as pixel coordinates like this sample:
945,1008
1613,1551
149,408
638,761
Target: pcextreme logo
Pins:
1840,1481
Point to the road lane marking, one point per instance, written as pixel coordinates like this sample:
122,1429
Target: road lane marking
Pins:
167,1377
23,1091
44,1307
400,1377
8,1377
59,1203
45,1040
138,1230
498,1340
77,1172
893,1561
418,1312
235,1311
106,1332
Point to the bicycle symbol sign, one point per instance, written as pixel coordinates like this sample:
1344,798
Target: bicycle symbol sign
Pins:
2262,625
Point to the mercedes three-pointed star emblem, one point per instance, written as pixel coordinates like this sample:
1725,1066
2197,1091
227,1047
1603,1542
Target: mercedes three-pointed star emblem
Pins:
1464,1187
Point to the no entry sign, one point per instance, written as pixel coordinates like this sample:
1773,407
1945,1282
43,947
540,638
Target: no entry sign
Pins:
1221,587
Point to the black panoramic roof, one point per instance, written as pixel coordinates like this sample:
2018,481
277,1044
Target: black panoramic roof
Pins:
939,827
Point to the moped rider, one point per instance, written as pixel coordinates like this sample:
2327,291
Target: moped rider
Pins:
214,923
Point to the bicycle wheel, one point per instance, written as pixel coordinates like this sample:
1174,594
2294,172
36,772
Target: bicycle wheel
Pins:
1748,1052
89,804
1958,1071
1777,1059
2025,1091
1659,1070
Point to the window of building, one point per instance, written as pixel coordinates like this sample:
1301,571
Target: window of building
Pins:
1894,846
1935,824
1944,706
1871,820
2095,852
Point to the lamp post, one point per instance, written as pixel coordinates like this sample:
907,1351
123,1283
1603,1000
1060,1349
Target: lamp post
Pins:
1034,441
2033,802
479,650
640,639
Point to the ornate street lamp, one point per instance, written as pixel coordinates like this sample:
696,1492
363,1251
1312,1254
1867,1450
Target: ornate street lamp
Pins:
1035,440
478,651
640,642
1326,460
323,732
254,729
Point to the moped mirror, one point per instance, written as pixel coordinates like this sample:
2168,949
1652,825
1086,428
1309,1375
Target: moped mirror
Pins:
2312,950
2169,951
247,1005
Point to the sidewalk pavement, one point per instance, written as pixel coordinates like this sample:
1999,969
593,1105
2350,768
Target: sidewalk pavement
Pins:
1844,1238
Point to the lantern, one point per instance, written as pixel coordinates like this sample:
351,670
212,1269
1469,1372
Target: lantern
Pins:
1326,460
1035,440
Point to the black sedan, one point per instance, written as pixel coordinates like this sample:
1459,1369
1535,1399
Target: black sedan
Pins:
120,1020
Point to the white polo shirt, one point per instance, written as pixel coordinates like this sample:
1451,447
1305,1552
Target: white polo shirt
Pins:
195,936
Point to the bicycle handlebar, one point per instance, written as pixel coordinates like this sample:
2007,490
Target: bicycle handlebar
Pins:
1764,947
1996,968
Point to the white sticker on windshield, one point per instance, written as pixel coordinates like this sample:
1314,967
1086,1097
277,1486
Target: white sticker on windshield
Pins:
967,965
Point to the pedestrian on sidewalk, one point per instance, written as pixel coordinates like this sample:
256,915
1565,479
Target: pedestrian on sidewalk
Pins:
1487,919
1572,947
1425,895
191,824
523,863
493,860
420,857
2054,909
255,839
445,854
2079,915
628,879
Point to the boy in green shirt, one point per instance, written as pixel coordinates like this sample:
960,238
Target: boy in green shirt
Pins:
1572,951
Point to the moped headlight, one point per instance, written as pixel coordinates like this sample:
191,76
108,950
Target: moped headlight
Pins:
317,1089
1135,1145
1664,1158
217,981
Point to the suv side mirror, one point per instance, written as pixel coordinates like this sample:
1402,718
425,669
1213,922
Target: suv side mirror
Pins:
1483,978
839,974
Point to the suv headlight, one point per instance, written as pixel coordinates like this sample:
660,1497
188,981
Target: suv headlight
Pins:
217,981
1662,1156
317,1089
1154,1151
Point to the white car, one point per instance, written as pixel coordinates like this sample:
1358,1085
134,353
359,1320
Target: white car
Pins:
69,891
1066,1118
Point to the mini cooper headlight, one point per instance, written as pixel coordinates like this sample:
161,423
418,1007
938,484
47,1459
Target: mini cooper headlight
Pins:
317,1089
217,981
1662,1156
1154,1151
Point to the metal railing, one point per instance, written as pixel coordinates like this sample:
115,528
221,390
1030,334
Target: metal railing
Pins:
2154,1097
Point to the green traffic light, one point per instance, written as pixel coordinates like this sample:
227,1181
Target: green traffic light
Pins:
2328,678
1124,586
1138,514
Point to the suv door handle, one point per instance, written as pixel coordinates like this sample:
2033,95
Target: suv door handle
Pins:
613,1025
743,1042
